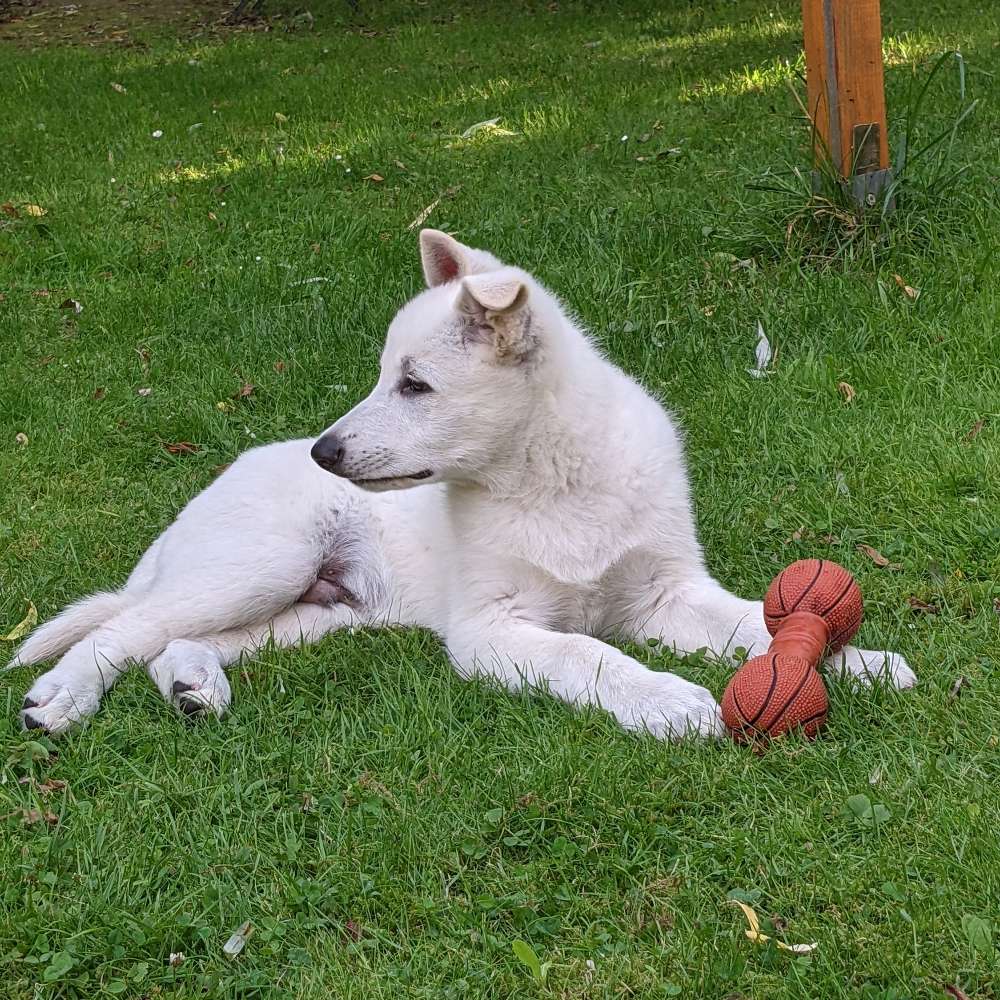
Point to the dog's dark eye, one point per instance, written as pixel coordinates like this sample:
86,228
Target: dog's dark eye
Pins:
411,386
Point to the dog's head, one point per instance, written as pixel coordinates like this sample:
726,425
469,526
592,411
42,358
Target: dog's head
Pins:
456,379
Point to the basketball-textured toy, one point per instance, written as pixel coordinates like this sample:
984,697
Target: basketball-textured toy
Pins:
811,607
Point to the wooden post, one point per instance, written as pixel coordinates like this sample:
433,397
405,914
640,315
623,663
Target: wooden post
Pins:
843,43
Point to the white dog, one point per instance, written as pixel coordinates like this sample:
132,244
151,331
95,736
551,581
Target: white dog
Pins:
503,485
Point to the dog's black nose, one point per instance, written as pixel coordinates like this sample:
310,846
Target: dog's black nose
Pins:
328,452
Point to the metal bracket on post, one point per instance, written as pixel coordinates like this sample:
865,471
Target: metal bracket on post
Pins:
844,77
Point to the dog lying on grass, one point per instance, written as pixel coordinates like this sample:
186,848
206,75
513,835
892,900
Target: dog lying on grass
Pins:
503,485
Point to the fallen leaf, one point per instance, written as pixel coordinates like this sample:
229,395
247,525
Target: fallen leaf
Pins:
402,166
71,304
762,353
908,290
219,469
489,125
961,683
244,391
144,391
875,778
100,392
31,816
955,992
754,933
41,293
847,391
375,178
877,557
974,431
922,607
796,536
9,210
21,438
50,785
35,211
237,940
119,88
180,447
279,366
423,216
831,539
353,929
25,625
280,118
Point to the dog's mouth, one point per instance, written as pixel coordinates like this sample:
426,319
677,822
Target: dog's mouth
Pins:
413,477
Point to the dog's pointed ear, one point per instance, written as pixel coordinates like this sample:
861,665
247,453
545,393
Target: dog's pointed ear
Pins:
494,308
444,258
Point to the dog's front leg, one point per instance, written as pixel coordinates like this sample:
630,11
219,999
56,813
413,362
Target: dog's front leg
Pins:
704,615
582,670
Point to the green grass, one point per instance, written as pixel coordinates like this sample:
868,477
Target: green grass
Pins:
389,830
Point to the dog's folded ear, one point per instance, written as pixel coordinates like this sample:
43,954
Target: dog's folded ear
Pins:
445,259
494,307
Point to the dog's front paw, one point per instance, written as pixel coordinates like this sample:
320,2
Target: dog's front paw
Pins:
670,707
58,699
870,666
190,676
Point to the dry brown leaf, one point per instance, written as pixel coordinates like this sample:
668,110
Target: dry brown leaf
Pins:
922,607
873,554
21,438
279,366
180,447
244,391
955,992
10,210
219,469
50,785
375,178
961,683
796,536
35,211
847,391
41,293
975,429
908,290
315,247
100,392
30,816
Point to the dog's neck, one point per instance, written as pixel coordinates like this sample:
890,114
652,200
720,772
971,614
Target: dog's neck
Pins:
555,472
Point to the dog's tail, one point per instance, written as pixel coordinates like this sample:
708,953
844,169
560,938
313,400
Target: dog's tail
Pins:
68,627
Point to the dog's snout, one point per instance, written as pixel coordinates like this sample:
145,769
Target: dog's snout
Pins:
328,452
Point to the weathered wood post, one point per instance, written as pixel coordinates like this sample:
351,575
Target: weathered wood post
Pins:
844,80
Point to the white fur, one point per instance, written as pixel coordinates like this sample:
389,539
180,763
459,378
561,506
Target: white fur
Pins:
553,515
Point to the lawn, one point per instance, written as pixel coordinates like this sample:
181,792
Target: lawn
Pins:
233,214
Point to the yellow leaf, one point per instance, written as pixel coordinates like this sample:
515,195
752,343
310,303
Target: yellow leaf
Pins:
24,626
753,932
847,391
34,210
908,290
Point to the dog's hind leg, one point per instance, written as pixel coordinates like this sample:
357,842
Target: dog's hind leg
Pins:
189,672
